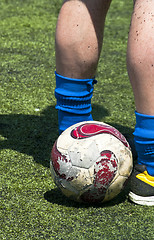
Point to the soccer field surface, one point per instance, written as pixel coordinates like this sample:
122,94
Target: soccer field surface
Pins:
31,206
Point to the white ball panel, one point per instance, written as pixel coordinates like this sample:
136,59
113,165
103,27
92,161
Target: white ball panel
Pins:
115,188
82,180
83,153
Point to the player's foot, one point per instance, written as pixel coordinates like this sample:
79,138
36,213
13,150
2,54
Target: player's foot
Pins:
142,186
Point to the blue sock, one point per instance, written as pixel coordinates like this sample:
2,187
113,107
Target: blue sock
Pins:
73,100
144,140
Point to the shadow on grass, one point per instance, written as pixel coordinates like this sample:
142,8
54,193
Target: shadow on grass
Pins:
30,134
35,135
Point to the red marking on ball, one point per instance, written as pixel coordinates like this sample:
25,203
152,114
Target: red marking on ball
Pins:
56,156
87,130
105,171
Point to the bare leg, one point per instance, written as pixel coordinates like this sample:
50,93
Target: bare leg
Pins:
140,59
78,42
140,56
79,37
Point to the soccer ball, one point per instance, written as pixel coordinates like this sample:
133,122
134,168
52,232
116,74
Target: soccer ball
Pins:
90,162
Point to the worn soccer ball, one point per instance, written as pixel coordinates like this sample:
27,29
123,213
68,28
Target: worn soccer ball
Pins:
90,162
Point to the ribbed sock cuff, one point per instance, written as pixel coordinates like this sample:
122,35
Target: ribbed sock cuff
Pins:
73,100
74,95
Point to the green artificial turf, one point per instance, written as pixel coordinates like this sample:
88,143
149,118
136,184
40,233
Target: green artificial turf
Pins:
31,206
